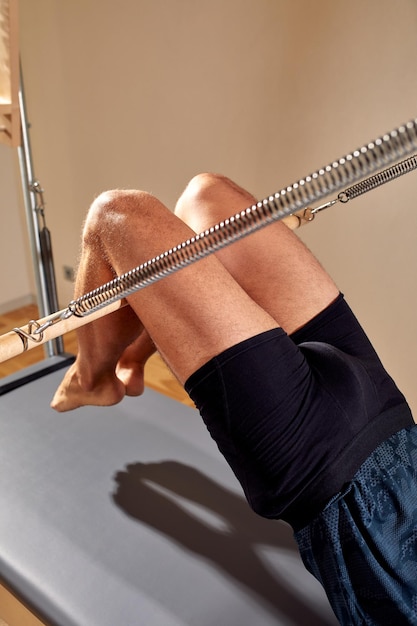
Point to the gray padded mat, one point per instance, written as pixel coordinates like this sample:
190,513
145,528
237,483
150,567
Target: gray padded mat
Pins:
129,516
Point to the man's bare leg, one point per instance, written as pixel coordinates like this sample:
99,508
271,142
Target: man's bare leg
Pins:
98,343
130,368
181,313
272,265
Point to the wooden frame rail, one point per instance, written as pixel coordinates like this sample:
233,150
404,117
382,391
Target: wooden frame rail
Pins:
9,74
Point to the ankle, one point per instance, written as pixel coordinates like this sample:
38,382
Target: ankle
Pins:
89,380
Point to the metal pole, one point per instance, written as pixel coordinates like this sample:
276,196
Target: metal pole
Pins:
45,282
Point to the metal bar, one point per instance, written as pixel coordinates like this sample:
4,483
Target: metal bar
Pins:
47,304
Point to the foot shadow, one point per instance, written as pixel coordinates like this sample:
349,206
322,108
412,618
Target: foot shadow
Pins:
209,520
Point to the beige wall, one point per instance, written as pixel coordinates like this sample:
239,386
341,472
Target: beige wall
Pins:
146,93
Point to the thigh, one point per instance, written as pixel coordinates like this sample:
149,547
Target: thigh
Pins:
192,314
272,265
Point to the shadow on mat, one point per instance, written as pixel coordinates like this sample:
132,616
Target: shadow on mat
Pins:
207,519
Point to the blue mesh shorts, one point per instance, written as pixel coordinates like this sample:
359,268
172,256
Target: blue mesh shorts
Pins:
363,546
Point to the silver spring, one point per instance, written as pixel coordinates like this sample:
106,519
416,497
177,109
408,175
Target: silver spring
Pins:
330,179
395,171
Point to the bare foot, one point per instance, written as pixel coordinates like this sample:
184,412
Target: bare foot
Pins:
131,365
72,394
132,376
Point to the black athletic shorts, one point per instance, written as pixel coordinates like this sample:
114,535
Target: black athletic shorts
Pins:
296,416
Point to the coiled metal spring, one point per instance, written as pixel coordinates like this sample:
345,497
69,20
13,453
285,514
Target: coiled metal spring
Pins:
330,179
395,171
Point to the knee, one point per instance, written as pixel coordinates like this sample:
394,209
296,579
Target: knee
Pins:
199,189
205,184
117,203
203,196
113,209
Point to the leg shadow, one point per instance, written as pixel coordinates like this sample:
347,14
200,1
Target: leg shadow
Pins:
205,518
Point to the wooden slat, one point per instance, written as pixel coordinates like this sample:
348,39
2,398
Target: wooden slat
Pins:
9,73
14,613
